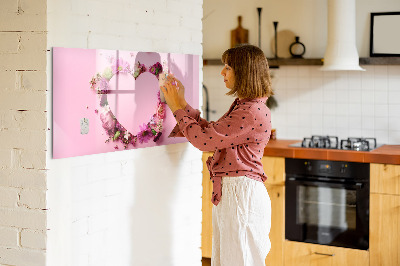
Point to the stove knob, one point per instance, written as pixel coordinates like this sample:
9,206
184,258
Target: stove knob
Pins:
343,168
308,166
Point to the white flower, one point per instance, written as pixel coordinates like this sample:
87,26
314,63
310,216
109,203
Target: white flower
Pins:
108,74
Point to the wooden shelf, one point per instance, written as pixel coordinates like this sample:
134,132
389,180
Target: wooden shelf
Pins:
273,63
380,61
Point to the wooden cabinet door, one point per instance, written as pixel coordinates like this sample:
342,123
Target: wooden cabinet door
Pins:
206,232
277,233
384,236
274,168
305,254
385,178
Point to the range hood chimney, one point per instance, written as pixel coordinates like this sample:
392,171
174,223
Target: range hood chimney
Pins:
341,51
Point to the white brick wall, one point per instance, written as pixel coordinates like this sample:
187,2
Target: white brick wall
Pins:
135,207
23,128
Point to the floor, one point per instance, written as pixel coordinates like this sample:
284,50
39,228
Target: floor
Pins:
206,261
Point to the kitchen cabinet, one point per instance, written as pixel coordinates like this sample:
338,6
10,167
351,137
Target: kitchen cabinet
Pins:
206,225
274,168
305,254
385,214
385,178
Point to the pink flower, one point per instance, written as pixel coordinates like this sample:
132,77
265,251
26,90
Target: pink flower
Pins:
156,69
161,111
108,120
93,83
144,134
104,86
120,66
140,68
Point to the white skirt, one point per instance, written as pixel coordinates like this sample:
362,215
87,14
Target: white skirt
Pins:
241,223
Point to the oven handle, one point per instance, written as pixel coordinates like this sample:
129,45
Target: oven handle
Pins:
357,185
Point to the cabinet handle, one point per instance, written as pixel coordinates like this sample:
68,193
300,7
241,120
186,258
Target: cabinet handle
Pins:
325,254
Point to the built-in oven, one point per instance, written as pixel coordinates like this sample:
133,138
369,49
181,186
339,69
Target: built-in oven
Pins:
327,202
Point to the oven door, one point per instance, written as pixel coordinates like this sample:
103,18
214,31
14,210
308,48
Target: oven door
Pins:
327,213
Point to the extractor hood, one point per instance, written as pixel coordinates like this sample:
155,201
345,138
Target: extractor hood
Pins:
341,51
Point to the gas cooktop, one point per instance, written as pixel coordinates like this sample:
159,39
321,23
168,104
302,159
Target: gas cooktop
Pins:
332,142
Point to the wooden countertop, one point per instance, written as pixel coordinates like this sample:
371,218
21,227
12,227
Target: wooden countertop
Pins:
389,154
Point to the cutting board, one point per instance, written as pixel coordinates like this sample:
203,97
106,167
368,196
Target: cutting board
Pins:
239,35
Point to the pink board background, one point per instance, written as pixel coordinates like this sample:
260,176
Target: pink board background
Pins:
73,98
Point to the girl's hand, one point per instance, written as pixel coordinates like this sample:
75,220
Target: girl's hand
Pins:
172,96
181,91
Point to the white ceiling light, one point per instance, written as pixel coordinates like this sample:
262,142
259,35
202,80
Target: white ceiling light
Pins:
341,51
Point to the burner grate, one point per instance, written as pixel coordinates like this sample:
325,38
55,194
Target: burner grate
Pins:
358,144
332,142
327,142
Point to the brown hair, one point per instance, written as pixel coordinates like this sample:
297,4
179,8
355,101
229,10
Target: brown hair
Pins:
250,66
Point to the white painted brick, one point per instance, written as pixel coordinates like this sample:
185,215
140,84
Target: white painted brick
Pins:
112,41
179,34
197,10
113,170
191,22
154,33
167,19
33,7
23,218
79,176
5,159
114,186
23,100
26,139
9,237
165,46
197,166
7,80
23,22
33,239
23,178
190,47
176,7
35,120
80,228
33,199
33,159
8,6
96,173
31,80
98,222
8,197
17,256
9,42
197,38
31,53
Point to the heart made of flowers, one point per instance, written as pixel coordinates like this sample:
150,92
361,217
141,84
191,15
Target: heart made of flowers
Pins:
116,132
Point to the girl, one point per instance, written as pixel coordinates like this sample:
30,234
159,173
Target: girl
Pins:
242,209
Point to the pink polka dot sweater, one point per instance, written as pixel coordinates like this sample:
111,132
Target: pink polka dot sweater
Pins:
238,139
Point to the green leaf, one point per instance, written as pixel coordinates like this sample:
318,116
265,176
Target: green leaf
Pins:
116,135
154,132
